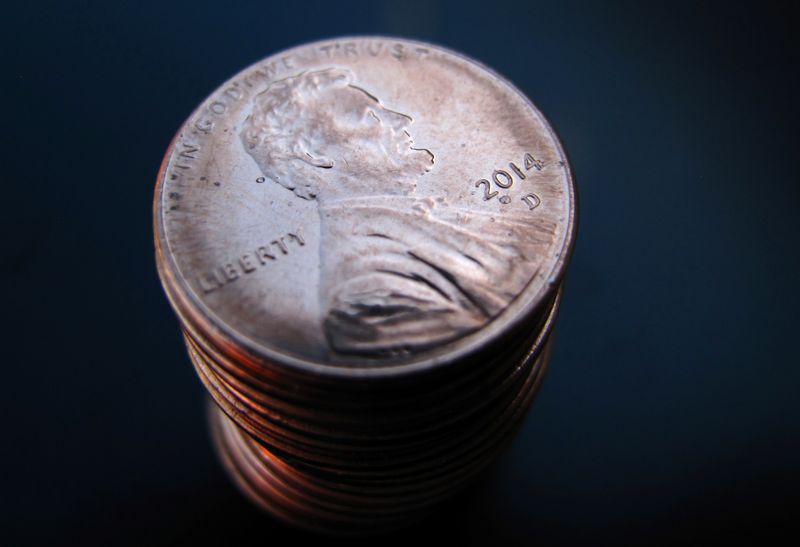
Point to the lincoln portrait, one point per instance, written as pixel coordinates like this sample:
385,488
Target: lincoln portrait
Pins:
400,270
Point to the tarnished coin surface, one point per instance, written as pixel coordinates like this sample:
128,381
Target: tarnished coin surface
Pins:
363,204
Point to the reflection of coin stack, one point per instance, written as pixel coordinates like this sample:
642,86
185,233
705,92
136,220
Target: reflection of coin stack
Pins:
357,443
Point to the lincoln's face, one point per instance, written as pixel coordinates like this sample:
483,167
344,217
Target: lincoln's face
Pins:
323,137
367,139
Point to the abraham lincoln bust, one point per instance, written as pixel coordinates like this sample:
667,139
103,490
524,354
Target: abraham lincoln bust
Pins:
399,273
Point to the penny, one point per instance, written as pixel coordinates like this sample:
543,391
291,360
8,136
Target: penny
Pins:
337,207
364,240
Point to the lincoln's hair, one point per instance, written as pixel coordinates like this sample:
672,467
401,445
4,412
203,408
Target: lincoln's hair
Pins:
285,126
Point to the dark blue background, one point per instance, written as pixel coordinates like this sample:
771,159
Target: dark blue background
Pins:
670,412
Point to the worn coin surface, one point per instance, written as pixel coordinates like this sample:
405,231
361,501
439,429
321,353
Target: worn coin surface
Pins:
363,205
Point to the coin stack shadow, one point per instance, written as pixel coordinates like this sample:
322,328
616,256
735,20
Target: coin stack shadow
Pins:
358,454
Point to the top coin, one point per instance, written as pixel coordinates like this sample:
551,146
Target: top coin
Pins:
363,204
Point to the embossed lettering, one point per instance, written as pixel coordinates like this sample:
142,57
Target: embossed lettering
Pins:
502,179
247,265
270,69
218,107
208,283
255,74
516,170
263,254
298,237
531,162
231,273
398,51
219,276
374,48
204,125
532,201
233,93
188,151
350,50
281,245
487,195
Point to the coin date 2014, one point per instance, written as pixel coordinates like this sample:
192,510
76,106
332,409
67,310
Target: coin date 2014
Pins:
503,180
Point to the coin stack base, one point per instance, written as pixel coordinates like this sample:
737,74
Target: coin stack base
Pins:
344,506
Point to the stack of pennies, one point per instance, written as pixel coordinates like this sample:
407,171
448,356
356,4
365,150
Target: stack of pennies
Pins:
364,241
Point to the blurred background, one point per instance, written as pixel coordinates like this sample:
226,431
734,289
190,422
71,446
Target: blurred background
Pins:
671,408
